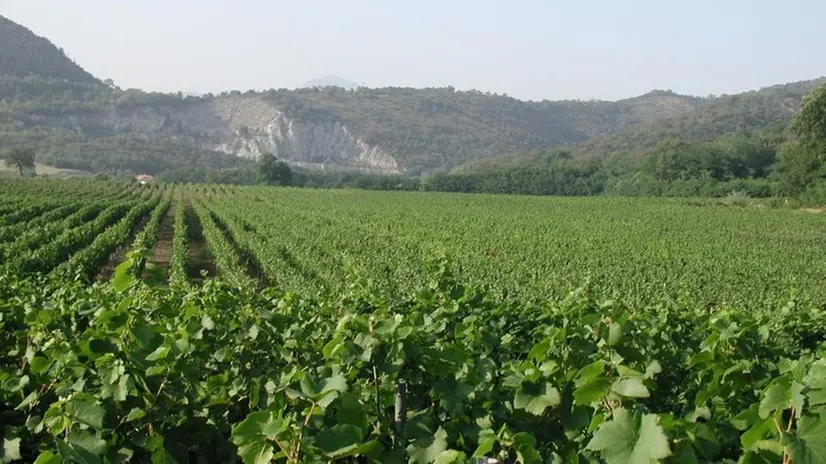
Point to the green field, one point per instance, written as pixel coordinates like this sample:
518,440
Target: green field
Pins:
532,248
220,324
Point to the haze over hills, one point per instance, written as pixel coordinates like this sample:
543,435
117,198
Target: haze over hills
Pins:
74,121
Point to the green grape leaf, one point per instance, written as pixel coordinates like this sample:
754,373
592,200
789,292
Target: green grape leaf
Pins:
450,457
159,354
339,440
29,399
816,382
85,412
81,448
539,351
808,445
746,418
351,411
816,378
11,450
316,389
135,414
123,279
487,440
88,441
260,425
48,457
590,372
535,398
40,365
332,347
591,392
653,369
252,436
207,323
700,412
258,452
628,439
781,396
14,384
631,388
614,334
816,397
425,449
525,445
755,433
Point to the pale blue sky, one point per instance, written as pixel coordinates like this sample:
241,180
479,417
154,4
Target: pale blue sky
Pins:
533,49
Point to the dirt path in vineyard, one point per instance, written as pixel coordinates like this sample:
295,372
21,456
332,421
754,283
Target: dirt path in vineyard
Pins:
162,251
119,254
199,258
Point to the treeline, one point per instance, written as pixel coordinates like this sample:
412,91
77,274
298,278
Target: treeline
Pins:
714,170
763,164
250,174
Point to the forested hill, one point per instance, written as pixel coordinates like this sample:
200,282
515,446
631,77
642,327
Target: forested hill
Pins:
22,53
710,119
71,120
436,128
739,113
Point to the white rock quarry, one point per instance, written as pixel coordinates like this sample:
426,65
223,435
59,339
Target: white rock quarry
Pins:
249,126
309,143
245,126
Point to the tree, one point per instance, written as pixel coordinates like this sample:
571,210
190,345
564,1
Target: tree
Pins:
802,161
21,159
271,171
810,125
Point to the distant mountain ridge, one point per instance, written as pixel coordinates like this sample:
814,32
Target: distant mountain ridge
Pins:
74,121
23,53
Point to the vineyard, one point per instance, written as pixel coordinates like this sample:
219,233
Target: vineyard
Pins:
222,324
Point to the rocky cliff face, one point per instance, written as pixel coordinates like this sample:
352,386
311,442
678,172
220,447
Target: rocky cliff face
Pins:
258,127
242,126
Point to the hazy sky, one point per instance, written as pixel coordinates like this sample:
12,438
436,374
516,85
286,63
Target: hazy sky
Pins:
526,48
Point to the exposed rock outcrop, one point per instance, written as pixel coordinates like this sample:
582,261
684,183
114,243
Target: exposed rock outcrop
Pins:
242,126
259,127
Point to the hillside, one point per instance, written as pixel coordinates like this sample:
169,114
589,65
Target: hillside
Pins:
23,53
392,130
745,112
427,129
386,130
73,121
710,119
